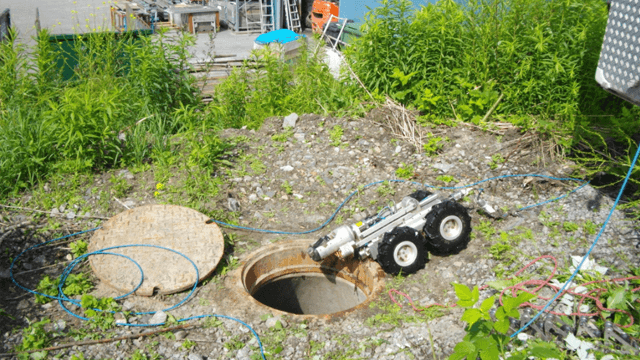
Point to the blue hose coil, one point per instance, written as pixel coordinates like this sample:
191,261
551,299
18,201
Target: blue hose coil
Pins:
63,277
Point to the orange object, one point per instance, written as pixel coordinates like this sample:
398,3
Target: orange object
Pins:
320,14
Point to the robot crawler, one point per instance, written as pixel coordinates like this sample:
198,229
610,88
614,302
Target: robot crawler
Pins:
399,237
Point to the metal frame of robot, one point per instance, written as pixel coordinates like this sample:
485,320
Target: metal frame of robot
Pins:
377,235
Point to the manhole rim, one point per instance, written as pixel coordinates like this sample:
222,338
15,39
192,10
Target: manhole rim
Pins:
238,280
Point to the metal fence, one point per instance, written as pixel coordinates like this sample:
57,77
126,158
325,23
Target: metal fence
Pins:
5,24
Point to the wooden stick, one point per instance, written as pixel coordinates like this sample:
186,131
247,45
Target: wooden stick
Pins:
479,127
102,341
121,203
495,105
44,267
49,212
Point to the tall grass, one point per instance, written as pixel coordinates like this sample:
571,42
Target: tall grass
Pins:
540,54
89,122
127,96
454,59
268,86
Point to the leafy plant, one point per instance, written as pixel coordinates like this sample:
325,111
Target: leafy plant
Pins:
77,284
79,248
385,189
35,337
569,226
496,159
119,186
100,311
190,344
286,187
486,337
405,171
433,144
446,179
335,134
283,136
590,228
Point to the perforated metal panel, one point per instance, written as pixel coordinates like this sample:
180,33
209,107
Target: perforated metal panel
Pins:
619,66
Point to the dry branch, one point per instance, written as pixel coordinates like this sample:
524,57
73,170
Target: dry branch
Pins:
48,212
102,341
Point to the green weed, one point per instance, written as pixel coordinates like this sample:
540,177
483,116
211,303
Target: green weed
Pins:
89,123
119,186
447,179
405,171
268,86
76,284
286,187
35,337
335,134
496,159
569,226
99,311
189,344
385,189
590,228
283,136
487,338
78,248
433,145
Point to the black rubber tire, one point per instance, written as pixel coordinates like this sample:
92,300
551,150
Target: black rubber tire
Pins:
420,194
391,241
440,243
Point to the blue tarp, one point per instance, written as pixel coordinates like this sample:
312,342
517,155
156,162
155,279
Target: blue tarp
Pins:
355,9
281,36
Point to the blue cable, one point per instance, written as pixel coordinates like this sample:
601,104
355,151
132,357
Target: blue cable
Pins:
67,271
222,223
604,225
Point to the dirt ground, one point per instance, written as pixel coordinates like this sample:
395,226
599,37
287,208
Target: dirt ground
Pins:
293,180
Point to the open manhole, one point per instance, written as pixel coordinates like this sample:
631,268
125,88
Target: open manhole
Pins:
282,276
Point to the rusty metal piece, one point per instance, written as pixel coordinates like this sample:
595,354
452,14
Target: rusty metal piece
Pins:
287,259
174,227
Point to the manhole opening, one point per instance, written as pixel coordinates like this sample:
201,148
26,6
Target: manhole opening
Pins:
310,294
282,276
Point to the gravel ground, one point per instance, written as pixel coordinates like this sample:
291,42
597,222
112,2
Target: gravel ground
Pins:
321,168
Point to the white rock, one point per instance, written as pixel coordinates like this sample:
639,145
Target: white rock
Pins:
287,168
398,149
158,318
444,167
290,121
271,322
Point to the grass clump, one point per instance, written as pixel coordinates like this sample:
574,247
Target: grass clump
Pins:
268,86
534,60
92,121
405,171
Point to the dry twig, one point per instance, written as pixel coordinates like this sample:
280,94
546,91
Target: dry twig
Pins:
102,341
48,212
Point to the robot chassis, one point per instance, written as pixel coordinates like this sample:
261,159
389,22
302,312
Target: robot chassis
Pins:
399,237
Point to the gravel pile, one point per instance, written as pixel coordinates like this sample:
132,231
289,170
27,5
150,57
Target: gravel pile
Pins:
293,179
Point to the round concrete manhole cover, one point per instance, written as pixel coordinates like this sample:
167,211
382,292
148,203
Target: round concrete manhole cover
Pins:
178,228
